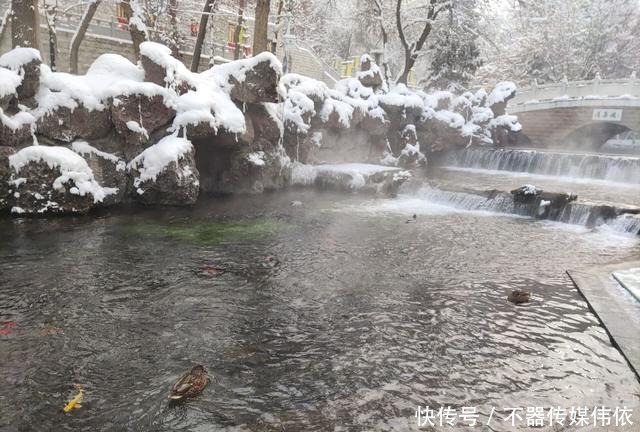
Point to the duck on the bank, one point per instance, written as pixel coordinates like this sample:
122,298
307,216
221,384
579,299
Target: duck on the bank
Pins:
190,384
519,296
413,218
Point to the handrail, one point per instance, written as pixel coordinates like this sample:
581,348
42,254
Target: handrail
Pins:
578,89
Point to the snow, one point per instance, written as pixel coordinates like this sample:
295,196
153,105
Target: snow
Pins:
221,74
18,57
17,121
296,106
70,165
109,76
135,127
359,172
256,158
501,92
84,148
309,87
342,109
401,96
530,189
507,121
305,175
453,120
153,160
9,82
175,69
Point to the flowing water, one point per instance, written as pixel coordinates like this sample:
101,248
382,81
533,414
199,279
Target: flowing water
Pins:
333,315
614,168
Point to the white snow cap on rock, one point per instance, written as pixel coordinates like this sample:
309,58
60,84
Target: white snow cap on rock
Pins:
502,91
9,82
18,57
110,75
70,165
84,148
152,161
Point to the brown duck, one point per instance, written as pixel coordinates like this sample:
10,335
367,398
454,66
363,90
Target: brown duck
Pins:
190,384
519,296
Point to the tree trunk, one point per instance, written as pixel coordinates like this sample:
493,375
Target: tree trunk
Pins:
411,50
202,31
279,23
138,35
50,15
260,30
173,29
77,38
25,24
236,34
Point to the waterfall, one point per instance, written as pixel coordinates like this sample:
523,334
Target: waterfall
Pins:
626,223
501,203
625,169
576,213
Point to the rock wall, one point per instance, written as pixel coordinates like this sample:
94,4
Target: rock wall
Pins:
158,134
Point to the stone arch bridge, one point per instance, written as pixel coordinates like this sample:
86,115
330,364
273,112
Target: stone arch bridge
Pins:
581,114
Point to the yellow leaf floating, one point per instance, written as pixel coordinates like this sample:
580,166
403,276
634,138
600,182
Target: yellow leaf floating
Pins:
75,401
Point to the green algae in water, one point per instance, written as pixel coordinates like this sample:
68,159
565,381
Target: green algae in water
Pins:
208,233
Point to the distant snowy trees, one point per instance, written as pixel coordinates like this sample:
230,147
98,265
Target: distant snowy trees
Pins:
550,41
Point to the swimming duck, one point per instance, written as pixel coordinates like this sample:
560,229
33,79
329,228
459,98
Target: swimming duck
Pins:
519,296
190,384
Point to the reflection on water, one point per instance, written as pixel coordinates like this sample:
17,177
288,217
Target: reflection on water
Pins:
329,319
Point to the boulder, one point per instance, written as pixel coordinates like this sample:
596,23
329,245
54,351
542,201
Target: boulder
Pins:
5,176
25,61
254,81
161,68
66,125
109,170
166,174
15,130
500,96
136,117
8,91
52,180
370,74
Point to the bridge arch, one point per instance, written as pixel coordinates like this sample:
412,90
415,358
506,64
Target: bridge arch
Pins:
592,136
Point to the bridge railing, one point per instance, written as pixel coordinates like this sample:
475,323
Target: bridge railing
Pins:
592,89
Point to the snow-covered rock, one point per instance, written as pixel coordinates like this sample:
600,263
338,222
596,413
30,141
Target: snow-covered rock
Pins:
9,83
348,177
26,62
108,169
252,80
52,180
5,176
16,130
166,173
136,116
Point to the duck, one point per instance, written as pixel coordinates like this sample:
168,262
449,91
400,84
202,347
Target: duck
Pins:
413,219
190,384
519,296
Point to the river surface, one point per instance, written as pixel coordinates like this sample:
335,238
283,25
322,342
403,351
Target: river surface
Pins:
333,315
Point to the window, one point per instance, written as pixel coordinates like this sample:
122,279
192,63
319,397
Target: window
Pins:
120,14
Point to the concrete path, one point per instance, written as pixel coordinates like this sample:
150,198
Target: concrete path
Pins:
616,308
630,279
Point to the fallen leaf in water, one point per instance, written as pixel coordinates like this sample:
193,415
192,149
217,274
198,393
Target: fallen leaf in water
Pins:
6,328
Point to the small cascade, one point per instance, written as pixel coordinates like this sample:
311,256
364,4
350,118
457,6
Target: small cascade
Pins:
501,203
623,169
576,213
585,214
626,223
